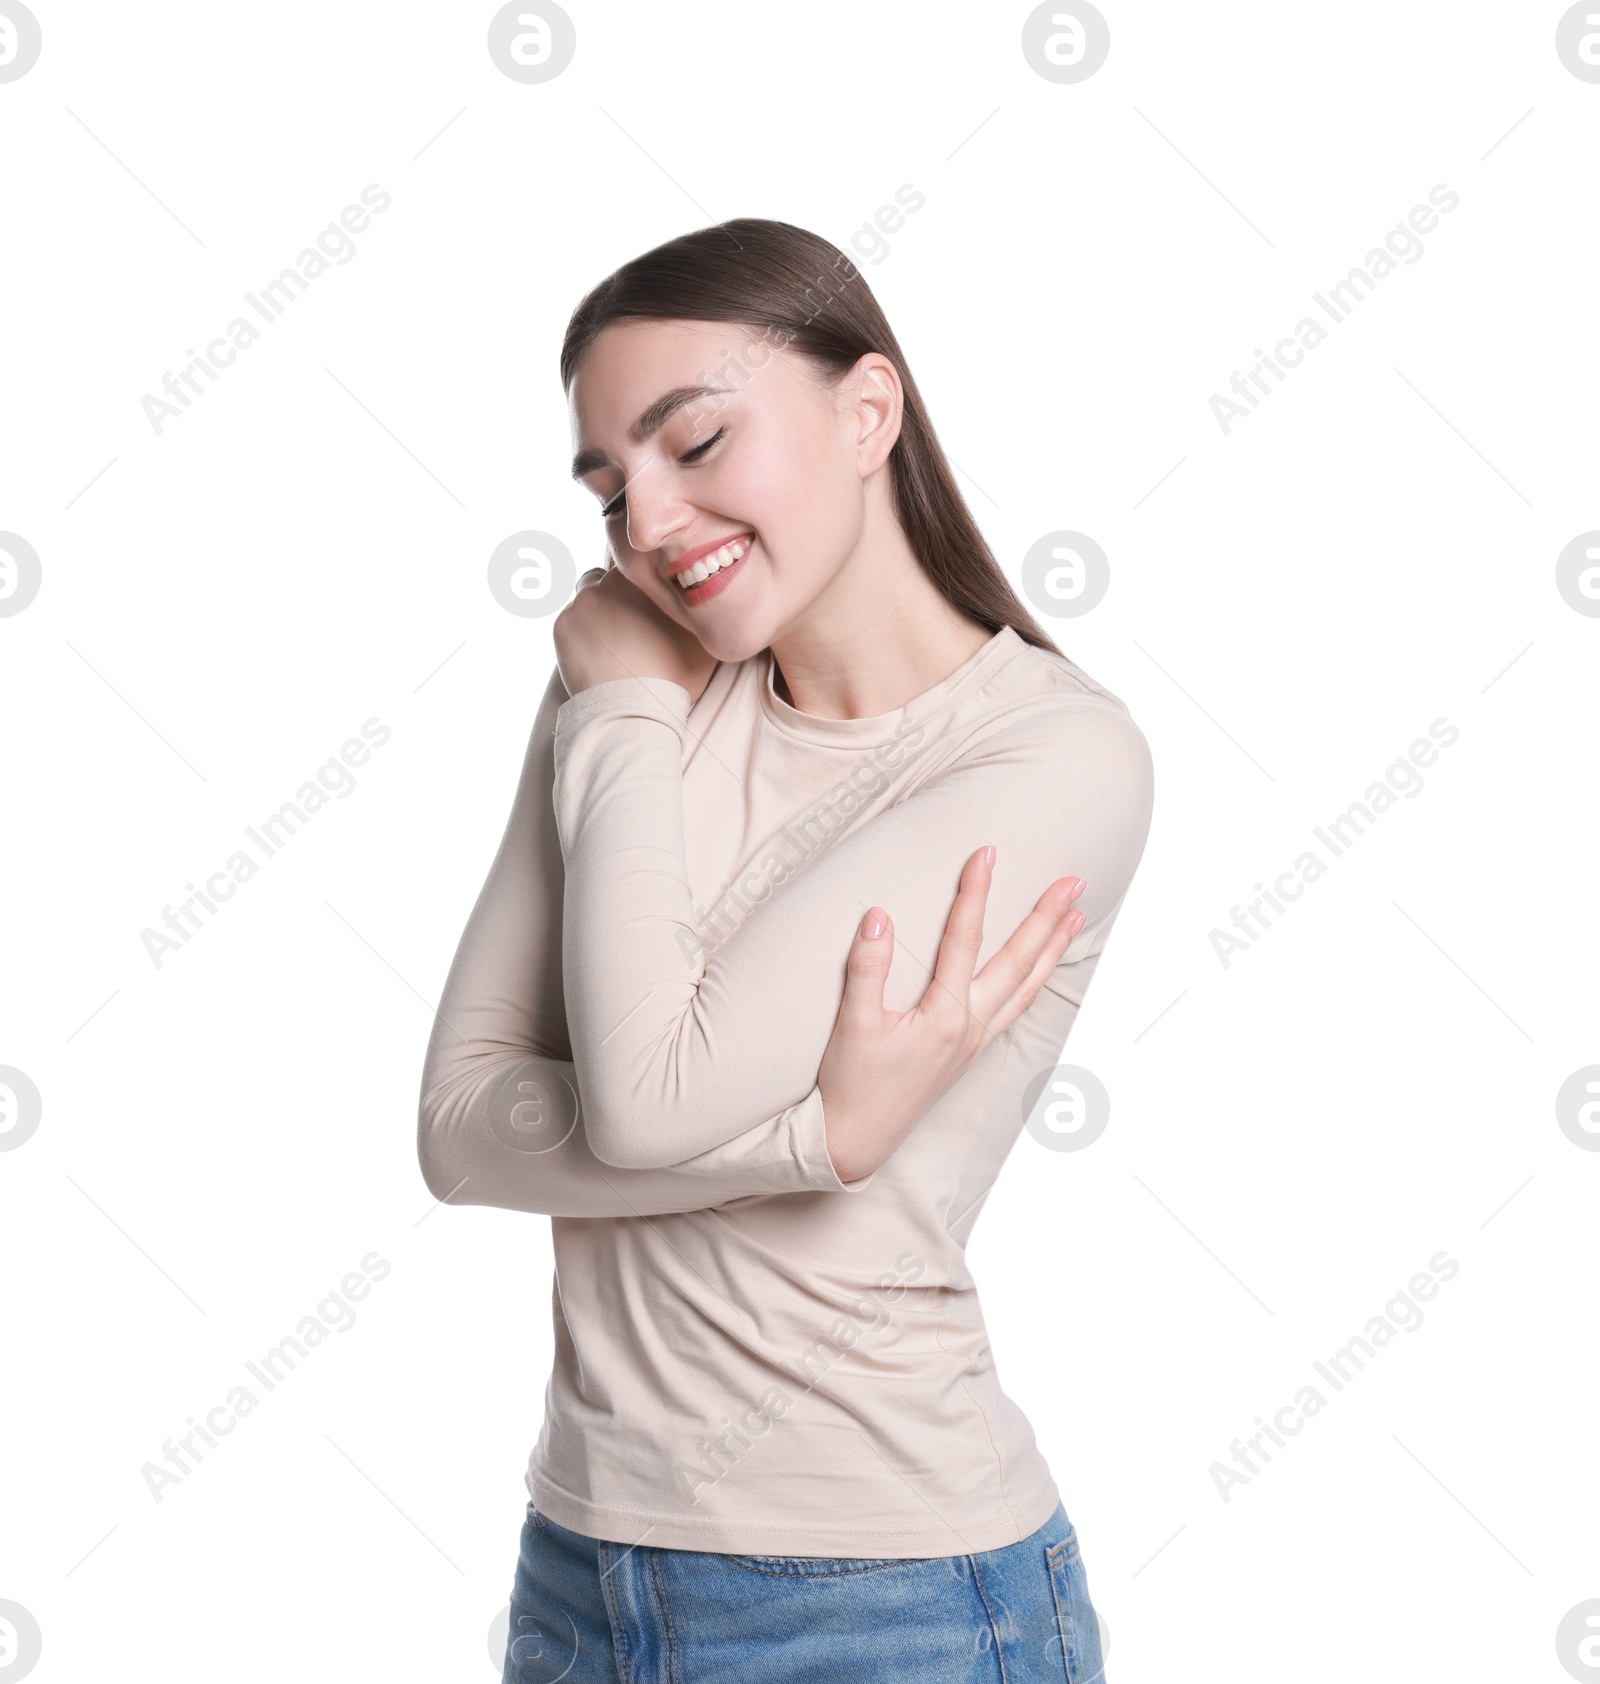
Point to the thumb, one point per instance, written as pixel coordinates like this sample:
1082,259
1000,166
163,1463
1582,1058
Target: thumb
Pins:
867,965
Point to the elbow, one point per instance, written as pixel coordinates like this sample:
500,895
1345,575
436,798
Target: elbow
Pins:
440,1183
630,1154
435,1158
638,1126
619,1146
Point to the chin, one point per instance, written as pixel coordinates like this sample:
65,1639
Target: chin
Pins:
737,632
732,643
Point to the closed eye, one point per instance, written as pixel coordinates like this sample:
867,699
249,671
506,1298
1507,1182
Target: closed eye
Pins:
697,451
693,454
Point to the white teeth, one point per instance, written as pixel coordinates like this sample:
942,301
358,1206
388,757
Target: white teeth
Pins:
713,563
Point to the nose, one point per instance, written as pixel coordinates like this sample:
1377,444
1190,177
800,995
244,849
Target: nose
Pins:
655,510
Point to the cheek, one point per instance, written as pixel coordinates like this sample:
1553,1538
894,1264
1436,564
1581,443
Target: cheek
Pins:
637,570
787,482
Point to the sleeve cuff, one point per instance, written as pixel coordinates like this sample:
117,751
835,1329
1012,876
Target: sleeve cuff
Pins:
811,1148
647,697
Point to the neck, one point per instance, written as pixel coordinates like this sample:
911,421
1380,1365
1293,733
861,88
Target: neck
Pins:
878,634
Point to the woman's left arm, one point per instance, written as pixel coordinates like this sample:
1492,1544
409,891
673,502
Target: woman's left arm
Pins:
675,1049
501,1113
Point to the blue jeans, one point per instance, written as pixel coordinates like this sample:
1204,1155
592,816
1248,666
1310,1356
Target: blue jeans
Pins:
586,1611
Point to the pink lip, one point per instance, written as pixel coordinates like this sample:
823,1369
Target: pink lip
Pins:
719,581
683,561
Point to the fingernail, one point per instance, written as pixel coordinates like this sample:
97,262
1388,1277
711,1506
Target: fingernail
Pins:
872,926
1076,922
1072,894
988,856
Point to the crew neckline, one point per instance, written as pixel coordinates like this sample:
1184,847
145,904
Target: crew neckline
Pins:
975,670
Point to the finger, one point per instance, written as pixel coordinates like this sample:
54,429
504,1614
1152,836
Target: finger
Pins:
1055,949
963,936
1010,968
866,966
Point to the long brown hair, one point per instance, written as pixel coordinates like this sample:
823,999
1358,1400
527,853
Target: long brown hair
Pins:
808,295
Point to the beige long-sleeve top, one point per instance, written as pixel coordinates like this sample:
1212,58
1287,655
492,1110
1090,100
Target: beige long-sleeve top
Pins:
750,1355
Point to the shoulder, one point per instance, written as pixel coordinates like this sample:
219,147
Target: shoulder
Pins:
1045,705
1047,675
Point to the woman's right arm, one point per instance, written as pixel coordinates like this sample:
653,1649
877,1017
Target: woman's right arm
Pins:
500,1115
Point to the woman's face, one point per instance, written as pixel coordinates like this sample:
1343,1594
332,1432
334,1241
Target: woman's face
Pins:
696,435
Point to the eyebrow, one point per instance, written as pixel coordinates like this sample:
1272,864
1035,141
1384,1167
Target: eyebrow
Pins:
656,416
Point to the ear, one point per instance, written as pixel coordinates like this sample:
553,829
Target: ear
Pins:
879,407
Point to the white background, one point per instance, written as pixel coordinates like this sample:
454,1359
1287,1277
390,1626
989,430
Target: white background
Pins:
1293,1135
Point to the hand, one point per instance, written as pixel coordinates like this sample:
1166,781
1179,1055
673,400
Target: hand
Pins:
882,1070
611,629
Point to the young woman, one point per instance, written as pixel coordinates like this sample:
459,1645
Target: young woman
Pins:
762,1113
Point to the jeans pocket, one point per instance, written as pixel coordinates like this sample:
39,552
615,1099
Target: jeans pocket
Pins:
1075,1616
534,1517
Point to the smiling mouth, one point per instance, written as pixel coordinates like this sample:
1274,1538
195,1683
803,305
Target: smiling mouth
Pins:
716,567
